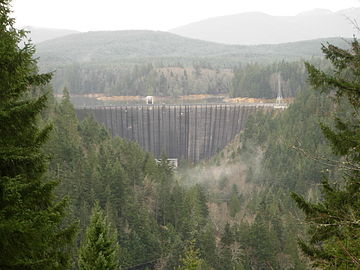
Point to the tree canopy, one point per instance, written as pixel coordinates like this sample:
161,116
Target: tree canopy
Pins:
100,248
31,235
334,232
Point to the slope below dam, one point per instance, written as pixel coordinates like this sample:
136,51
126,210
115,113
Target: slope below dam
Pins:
184,132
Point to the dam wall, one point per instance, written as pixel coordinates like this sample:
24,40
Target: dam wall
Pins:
185,132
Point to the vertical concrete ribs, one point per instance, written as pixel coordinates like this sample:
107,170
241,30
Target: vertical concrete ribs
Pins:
185,132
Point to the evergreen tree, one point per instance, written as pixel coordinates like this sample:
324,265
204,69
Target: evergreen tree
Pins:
334,221
234,203
100,248
191,260
227,239
207,245
31,236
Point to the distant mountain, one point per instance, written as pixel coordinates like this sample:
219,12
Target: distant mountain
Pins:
112,45
38,34
115,46
153,63
259,28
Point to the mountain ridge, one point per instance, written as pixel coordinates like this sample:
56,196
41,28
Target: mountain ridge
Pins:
252,28
41,34
112,46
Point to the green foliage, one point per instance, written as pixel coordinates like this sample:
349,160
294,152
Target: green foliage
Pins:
207,246
260,81
334,230
234,203
111,47
141,80
100,249
269,141
263,234
116,63
191,260
263,243
153,215
31,235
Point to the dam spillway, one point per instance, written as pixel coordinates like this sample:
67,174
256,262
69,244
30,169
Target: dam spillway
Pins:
184,132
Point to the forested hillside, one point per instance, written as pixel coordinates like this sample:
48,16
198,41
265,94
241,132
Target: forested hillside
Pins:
144,80
232,212
250,181
163,64
235,209
125,46
262,81
284,194
155,216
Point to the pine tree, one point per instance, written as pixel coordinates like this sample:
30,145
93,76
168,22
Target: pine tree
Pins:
31,236
334,221
100,248
191,260
227,239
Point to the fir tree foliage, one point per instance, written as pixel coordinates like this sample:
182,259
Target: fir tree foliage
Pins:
260,81
31,236
100,248
191,259
334,221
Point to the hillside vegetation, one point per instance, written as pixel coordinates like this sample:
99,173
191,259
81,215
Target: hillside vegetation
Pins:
114,46
249,184
159,63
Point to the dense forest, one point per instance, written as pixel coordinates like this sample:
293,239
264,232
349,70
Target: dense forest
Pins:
164,64
147,207
250,181
257,80
261,81
284,194
158,215
144,80
106,47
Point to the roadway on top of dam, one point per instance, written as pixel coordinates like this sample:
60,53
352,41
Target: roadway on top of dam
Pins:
183,131
256,104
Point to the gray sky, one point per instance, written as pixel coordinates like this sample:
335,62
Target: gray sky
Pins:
92,15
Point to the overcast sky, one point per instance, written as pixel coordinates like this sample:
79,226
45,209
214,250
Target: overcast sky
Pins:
92,15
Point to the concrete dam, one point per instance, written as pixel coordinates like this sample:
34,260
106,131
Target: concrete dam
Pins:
184,132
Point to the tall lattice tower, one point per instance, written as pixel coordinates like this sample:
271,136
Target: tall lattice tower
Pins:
279,98
279,104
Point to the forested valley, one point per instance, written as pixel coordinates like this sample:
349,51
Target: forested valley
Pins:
284,194
231,212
